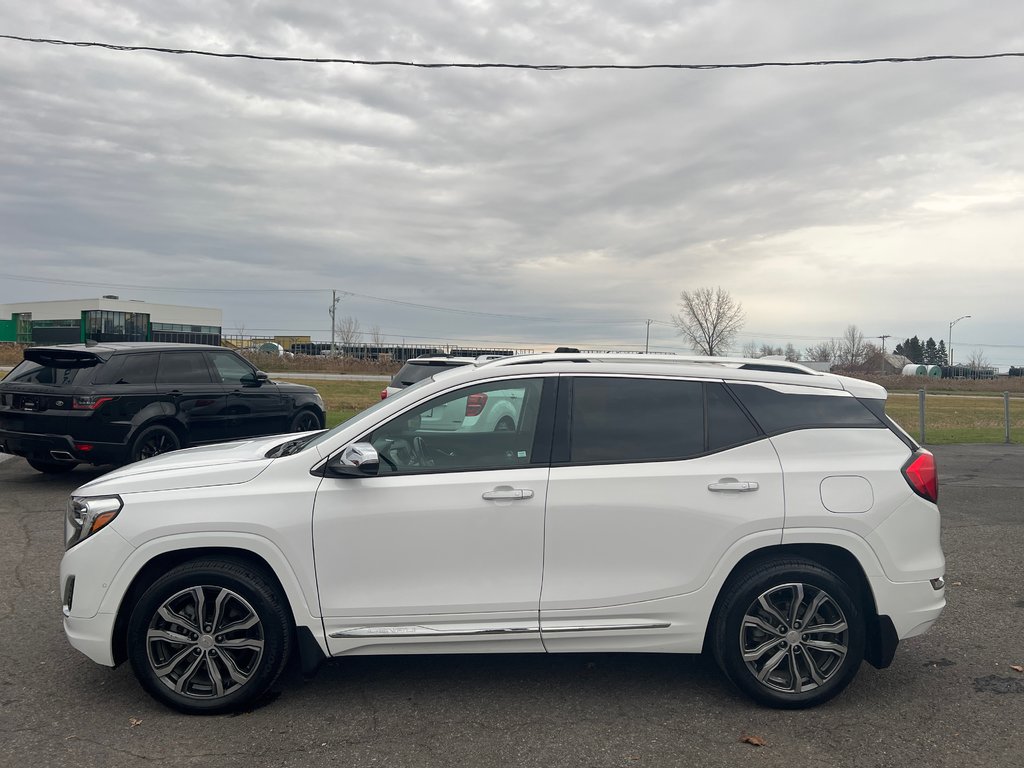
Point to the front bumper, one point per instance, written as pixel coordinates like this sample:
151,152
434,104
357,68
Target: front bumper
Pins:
87,572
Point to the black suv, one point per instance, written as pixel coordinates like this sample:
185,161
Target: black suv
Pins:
116,403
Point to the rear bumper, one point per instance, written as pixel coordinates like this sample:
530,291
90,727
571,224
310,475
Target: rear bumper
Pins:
59,448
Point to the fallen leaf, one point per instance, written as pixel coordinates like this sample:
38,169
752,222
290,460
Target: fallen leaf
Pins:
133,721
755,741
1017,668
957,583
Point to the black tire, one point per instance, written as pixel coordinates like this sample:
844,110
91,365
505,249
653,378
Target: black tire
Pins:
181,663
152,441
787,666
306,421
52,467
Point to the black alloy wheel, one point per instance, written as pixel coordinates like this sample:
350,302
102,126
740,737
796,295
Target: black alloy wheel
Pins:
306,421
152,441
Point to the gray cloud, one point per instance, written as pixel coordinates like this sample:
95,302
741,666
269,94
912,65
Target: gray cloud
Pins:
885,196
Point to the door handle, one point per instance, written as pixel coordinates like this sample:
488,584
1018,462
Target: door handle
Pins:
733,485
508,493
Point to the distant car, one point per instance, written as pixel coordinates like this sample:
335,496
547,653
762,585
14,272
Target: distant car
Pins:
420,368
122,402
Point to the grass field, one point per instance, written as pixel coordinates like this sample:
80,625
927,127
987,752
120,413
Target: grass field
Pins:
958,418
948,418
343,399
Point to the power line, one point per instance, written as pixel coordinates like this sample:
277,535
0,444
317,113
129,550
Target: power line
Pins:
495,65
356,294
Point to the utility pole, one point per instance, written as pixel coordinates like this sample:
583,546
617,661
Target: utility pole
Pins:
334,304
881,364
647,341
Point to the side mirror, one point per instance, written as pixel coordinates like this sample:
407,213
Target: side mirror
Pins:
356,460
255,379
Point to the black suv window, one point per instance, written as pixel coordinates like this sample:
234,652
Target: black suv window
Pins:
777,410
230,368
183,368
28,372
627,419
128,369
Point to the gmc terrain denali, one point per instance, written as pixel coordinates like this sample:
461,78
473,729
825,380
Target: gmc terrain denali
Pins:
768,514
115,403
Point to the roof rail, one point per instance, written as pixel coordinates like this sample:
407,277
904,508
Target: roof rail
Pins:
739,363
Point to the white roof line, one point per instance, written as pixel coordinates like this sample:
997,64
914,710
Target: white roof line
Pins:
621,357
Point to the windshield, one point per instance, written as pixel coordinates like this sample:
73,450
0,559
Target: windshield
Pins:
321,436
28,372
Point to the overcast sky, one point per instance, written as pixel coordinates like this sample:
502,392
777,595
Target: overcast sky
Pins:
562,207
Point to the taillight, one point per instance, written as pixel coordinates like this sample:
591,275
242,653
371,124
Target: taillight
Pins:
89,402
921,475
475,404
383,393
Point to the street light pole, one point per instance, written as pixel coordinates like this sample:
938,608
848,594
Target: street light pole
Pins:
950,345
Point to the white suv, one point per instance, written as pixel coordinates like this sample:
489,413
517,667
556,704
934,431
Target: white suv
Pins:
767,513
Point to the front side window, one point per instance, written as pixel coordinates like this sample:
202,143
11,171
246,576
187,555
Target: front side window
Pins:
230,369
486,426
631,419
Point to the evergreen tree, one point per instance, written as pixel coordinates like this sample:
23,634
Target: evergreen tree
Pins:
931,352
943,354
911,349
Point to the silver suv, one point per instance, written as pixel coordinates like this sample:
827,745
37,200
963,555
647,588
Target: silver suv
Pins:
764,512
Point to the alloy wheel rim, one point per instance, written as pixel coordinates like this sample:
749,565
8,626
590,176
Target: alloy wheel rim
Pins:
156,445
794,638
205,642
307,423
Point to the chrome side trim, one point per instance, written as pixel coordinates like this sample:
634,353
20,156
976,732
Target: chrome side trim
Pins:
420,631
423,631
606,627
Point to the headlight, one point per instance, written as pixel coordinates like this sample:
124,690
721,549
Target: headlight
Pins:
86,515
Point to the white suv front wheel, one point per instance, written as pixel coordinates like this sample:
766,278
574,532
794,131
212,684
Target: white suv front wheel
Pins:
789,633
209,636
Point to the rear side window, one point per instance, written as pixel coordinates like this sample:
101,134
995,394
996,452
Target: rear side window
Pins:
728,425
778,410
183,368
627,420
128,369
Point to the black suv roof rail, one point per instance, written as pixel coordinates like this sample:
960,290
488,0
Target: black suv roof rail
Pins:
738,363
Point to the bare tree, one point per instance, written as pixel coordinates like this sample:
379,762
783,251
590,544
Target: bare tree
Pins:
791,353
709,318
376,336
750,349
823,352
853,350
347,329
767,350
976,360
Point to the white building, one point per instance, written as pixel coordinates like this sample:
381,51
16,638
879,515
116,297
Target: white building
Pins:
108,318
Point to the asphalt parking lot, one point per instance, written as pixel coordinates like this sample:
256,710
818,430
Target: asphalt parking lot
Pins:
951,697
